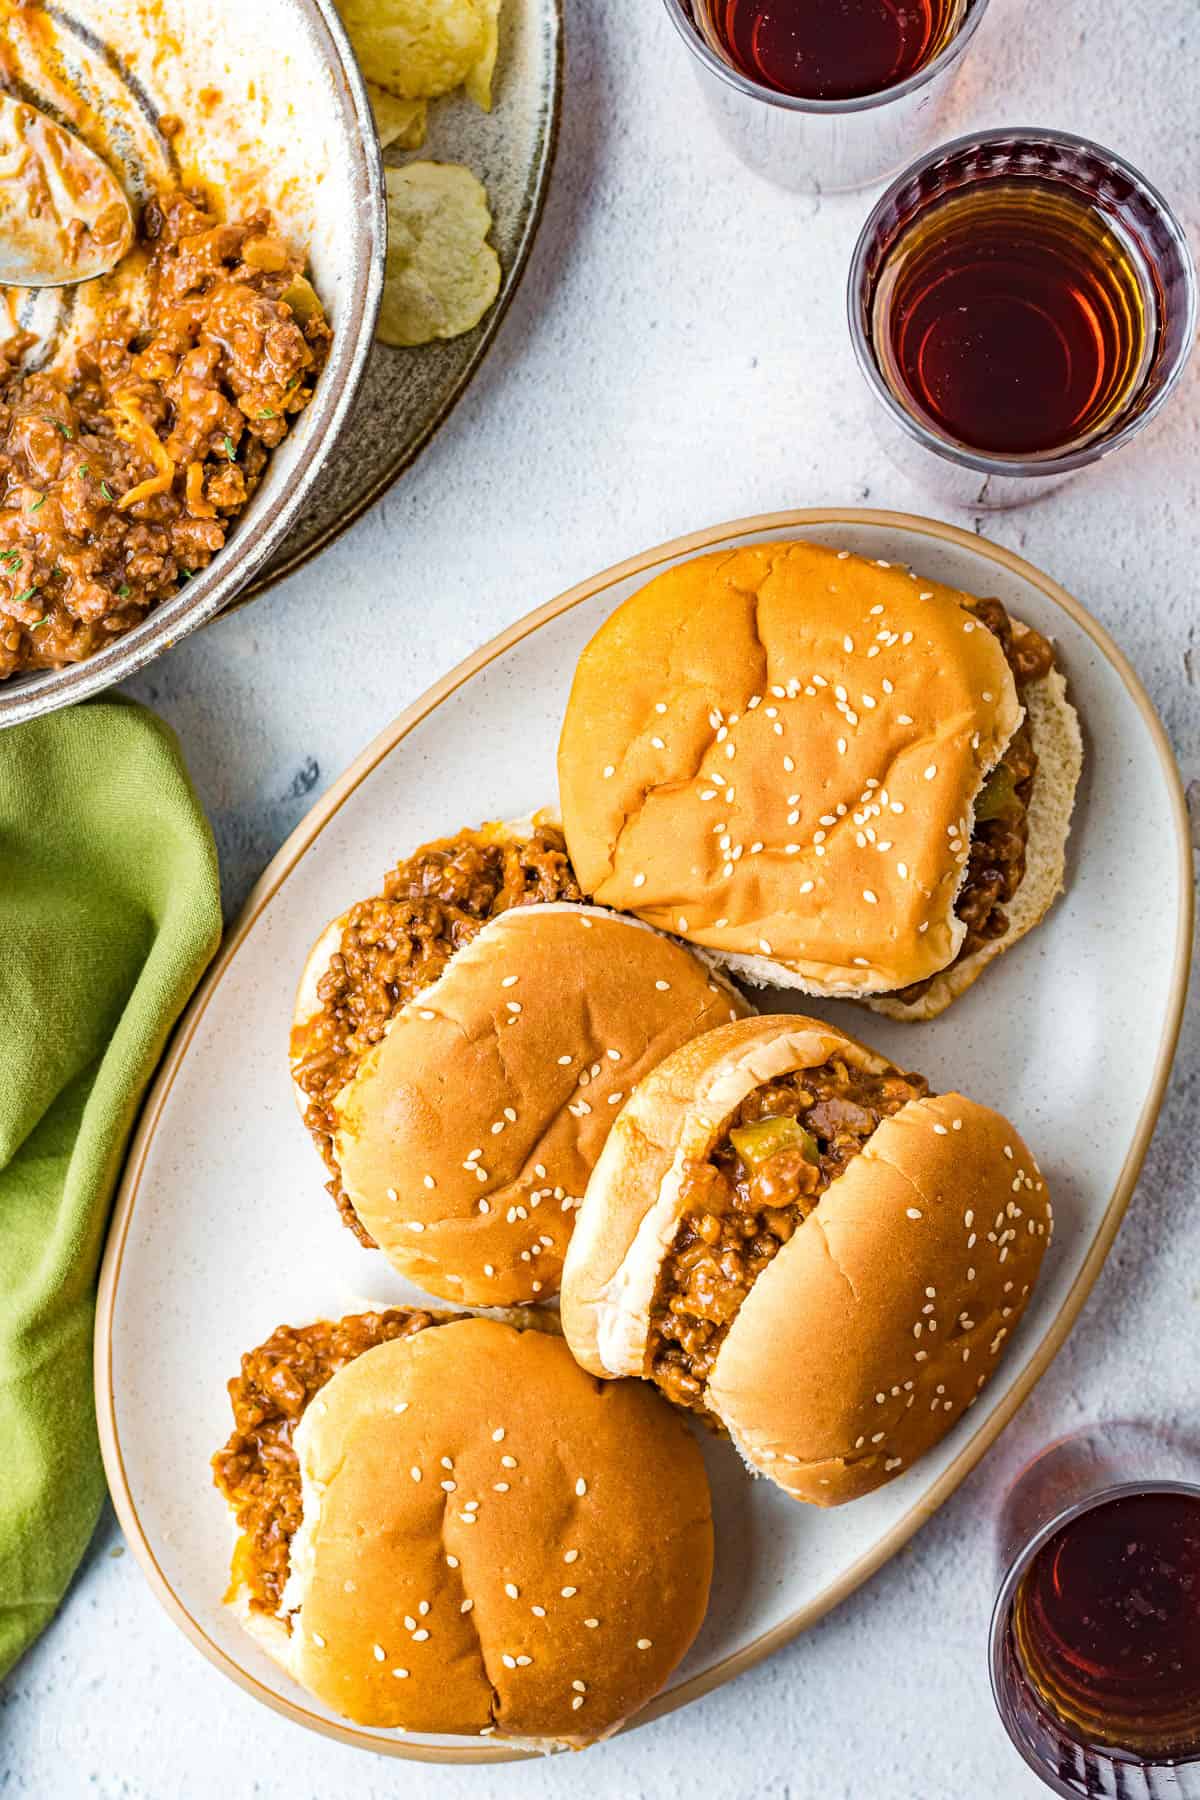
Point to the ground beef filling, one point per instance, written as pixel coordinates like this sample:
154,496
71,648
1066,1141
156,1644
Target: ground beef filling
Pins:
257,1471
1000,836
397,944
779,1152
122,475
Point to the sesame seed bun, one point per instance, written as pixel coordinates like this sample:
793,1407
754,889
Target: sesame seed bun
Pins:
735,727
491,1541
467,1134
877,1323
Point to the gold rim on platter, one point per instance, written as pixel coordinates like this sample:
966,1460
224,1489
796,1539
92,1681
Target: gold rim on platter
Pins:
273,878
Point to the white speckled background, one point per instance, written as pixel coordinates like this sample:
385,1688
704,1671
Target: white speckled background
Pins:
677,355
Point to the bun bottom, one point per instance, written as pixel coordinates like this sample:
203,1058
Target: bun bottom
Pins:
1054,725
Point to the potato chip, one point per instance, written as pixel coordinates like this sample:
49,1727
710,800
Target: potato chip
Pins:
477,83
442,274
398,122
416,49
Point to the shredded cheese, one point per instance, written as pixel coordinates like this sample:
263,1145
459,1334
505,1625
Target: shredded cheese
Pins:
133,430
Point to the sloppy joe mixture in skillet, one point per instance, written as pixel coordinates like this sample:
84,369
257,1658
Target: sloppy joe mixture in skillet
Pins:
258,1471
122,474
996,862
396,944
778,1153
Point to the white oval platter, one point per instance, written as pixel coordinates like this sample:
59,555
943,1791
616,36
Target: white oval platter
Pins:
223,1229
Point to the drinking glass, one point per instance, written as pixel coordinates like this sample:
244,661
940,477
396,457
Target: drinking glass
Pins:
826,146
1083,1471
1136,217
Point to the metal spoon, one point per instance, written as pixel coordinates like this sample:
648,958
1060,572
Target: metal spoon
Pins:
63,215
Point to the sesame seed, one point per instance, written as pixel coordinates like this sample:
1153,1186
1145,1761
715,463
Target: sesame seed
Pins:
415,1473
400,1674
806,887
568,1593
662,986
609,771
449,1487
941,1131
893,1462
577,1702
657,743
591,1624
913,1212
645,1643
639,880
318,1640
570,1556
510,1662
378,1652
466,1606
498,1435
870,898
511,1590
581,1487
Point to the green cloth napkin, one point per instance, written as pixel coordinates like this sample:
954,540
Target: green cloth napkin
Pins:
109,912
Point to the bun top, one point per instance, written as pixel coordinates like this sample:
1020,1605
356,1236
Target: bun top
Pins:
775,752
466,1137
891,1306
492,1541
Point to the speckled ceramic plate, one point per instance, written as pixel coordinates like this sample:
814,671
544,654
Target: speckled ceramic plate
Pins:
223,1228
406,394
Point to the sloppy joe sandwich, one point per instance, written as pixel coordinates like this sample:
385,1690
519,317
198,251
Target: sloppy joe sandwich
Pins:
788,1233
446,1525
829,773
460,1055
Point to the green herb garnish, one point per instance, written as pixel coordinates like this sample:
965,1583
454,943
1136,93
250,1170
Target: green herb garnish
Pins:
230,452
107,491
48,419
12,558
266,413
38,503
123,591
27,595
82,469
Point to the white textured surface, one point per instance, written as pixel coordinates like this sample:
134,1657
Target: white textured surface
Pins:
677,355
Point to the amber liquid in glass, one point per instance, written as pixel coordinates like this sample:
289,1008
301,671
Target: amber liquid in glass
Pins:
1014,318
828,49
1106,1625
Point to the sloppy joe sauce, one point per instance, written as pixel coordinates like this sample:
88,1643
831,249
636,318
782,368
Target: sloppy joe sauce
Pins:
258,1471
121,476
737,1216
398,943
996,861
